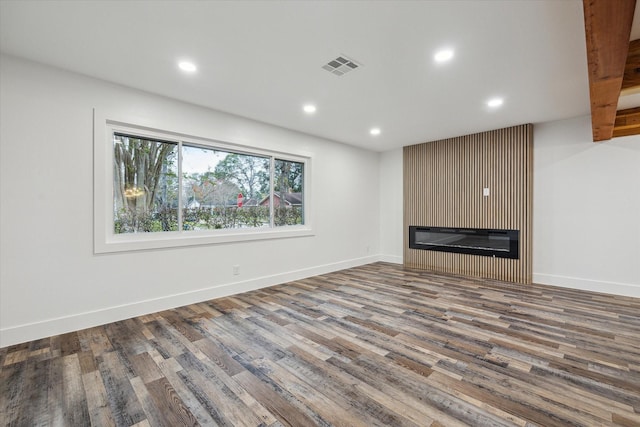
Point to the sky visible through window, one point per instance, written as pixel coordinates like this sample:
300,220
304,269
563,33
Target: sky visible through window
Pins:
198,160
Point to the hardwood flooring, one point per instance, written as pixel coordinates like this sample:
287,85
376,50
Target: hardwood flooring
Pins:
377,345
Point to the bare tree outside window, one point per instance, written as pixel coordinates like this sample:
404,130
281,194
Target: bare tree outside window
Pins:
145,185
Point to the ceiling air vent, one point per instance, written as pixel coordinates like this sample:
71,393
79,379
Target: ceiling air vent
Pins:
341,65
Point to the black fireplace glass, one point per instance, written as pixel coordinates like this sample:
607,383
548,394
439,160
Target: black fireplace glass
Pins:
474,241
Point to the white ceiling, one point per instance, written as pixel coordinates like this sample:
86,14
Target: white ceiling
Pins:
263,59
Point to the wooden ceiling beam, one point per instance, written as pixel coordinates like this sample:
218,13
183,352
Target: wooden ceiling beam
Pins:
631,79
627,122
607,29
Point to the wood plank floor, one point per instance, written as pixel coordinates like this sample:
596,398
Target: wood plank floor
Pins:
377,345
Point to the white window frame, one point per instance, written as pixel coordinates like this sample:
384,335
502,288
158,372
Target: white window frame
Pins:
106,240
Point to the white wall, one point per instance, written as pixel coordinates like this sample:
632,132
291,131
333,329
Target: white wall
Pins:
50,280
586,209
391,206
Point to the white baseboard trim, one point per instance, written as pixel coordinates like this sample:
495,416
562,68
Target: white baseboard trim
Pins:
78,321
624,289
392,259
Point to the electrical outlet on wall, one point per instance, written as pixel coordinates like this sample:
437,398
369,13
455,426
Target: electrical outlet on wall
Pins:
236,270
485,191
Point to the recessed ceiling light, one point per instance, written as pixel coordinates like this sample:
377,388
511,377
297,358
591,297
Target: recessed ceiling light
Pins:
495,102
443,55
309,109
375,131
187,66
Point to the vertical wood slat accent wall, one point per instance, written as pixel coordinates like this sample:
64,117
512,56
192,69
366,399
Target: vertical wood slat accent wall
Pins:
443,187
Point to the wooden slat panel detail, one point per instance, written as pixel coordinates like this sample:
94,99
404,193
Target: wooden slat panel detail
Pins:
443,184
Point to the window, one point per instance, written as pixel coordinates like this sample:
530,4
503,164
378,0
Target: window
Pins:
222,189
145,185
288,200
165,190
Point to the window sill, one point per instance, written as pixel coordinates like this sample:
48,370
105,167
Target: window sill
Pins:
168,240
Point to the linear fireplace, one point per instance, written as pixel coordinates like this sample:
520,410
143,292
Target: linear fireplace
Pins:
474,241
